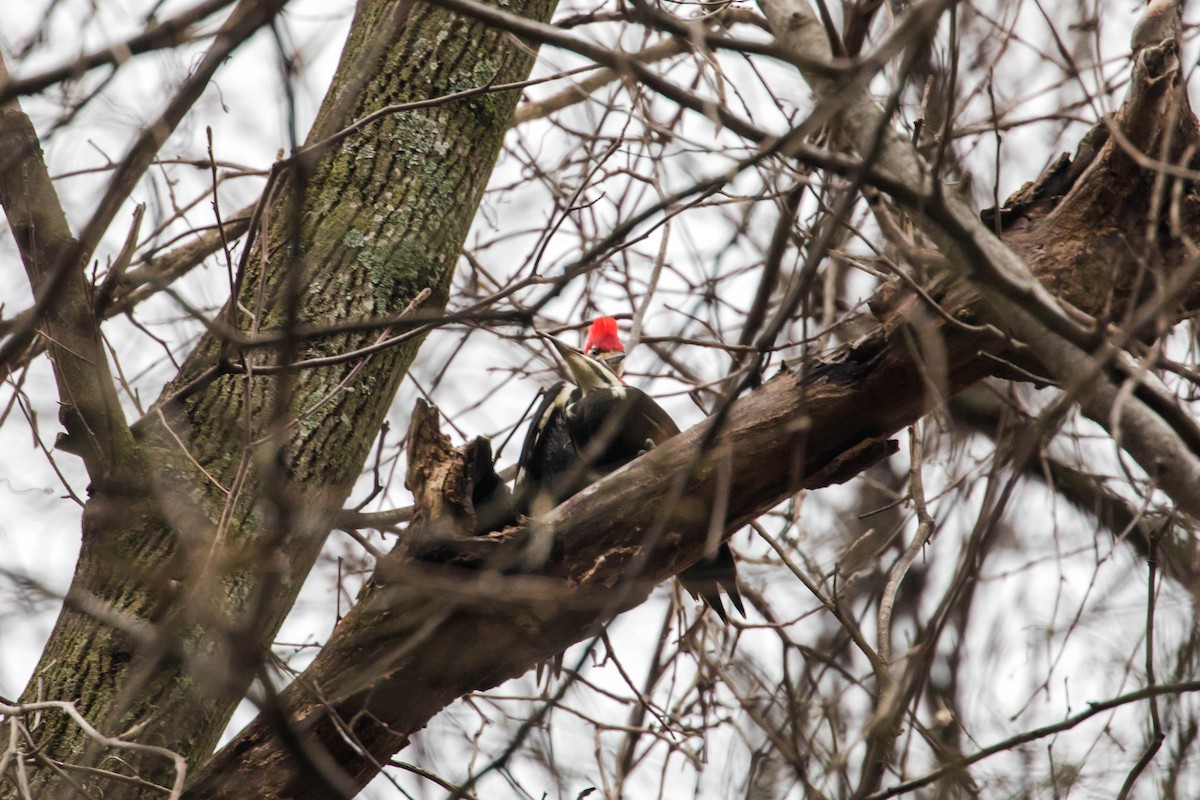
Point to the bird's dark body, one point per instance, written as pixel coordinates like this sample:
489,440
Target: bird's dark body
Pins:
578,437
549,464
613,426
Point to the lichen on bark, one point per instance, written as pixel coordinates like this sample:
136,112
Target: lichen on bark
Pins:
378,219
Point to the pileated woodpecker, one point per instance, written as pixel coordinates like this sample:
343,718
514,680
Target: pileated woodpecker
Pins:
584,430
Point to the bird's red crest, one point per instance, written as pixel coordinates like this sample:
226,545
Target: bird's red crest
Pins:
603,335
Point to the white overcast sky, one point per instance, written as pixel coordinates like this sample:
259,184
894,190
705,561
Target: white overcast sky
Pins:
39,531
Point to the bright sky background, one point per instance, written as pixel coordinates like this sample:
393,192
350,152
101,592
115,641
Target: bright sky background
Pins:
39,531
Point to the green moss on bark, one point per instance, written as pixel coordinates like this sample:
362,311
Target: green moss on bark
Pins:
380,218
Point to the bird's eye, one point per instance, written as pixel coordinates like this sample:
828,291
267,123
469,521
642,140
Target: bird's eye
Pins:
595,351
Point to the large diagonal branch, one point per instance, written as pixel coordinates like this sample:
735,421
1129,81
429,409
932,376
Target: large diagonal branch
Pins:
402,654
426,636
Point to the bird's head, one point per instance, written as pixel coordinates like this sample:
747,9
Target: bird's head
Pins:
586,372
603,343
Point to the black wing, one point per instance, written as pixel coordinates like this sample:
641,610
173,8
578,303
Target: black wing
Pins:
611,426
548,469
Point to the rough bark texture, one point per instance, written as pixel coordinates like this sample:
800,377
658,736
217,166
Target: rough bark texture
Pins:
211,542
246,471
399,656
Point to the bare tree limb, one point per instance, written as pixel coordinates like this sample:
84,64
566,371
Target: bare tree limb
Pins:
90,412
1095,708
1021,305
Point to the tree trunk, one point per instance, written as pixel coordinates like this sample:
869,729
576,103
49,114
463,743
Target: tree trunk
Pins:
245,467
189,565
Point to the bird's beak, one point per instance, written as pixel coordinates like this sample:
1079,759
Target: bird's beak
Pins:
588,373
615,361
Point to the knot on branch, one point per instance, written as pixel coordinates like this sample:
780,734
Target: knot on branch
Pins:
460,504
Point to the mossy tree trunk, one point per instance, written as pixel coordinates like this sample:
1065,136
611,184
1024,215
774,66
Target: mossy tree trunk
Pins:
188,568
191,559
